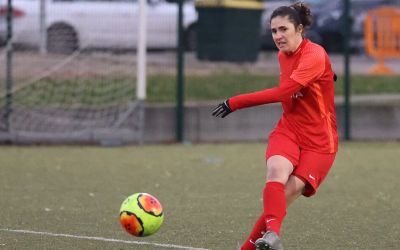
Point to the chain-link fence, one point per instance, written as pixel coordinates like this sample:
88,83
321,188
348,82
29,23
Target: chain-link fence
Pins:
74,62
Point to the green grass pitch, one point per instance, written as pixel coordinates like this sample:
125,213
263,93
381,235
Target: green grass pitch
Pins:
211,195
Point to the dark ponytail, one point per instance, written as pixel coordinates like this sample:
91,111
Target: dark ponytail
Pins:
304,13
298,13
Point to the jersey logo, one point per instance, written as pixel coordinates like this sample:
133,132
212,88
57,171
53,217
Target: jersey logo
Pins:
297,95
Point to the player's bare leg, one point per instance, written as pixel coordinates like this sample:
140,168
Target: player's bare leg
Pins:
293,189
278,169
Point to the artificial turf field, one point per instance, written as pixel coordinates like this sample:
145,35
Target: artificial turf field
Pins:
64,197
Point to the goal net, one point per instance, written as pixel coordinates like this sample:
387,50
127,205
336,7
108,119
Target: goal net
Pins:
74,93
80,98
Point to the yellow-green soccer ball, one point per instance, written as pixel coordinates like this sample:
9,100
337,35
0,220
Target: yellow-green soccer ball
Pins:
141,214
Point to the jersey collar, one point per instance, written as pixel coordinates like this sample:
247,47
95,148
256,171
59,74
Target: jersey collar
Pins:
302,44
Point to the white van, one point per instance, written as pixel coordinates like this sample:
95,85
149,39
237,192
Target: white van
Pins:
80,24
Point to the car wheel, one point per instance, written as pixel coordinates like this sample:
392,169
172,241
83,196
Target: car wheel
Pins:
191,38
61,39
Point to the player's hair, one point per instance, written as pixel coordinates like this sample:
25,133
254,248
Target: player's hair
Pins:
298,13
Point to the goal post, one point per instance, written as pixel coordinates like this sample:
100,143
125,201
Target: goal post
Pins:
84,97
141,67
141,52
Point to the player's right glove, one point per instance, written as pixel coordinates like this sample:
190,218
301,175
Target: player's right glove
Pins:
222,109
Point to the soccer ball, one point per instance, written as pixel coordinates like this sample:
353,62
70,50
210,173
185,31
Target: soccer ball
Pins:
141,214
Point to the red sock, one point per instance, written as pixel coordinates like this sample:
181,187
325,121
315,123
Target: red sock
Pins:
256,232
274,206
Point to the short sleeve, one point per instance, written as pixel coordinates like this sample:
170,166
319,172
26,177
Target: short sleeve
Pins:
311,66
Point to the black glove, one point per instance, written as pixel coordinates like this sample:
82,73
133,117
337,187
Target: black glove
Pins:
222,109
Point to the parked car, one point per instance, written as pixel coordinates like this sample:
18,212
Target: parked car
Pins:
327,27
329,18
73,24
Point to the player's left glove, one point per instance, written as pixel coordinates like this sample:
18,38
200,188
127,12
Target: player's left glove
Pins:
222,109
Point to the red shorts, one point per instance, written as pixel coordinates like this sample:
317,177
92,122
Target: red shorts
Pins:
311,167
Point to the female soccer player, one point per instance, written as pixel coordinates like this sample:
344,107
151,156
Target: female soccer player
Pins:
302,147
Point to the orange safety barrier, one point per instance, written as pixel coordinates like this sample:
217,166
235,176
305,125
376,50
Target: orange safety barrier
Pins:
382,36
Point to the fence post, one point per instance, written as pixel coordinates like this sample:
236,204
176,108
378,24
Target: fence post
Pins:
43,32
180,114
9,48
347,34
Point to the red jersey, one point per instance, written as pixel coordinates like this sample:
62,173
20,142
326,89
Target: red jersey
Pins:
306,91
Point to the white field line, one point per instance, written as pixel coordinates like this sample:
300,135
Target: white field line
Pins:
99,239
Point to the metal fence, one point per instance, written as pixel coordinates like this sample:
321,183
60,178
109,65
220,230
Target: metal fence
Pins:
73,65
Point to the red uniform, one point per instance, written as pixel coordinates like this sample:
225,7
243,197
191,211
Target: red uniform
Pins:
307,128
